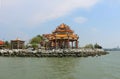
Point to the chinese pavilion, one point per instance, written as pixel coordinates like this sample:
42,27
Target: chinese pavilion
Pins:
62,37
17,44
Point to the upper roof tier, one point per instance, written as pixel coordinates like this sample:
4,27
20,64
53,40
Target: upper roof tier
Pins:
63,28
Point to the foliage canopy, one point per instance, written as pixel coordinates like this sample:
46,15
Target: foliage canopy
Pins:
36,40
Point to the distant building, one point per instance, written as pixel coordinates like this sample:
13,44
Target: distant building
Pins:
1,44
17,44
61,37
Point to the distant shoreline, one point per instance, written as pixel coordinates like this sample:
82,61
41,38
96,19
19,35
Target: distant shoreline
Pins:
113,49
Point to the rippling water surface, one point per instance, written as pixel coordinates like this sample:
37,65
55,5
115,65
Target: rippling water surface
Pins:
102,67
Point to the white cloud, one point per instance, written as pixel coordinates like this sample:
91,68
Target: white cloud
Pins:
39,11
57,9
80,20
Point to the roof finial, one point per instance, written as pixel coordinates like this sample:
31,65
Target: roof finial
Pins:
17,38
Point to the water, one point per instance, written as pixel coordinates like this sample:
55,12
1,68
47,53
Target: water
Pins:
103,67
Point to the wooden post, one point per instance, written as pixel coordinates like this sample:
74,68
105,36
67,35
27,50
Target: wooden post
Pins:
11,45
18,45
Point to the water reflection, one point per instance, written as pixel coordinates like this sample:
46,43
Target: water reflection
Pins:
62,67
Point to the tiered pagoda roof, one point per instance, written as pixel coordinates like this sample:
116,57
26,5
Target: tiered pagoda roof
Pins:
62,32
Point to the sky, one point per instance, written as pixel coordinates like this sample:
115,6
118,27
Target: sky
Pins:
95,21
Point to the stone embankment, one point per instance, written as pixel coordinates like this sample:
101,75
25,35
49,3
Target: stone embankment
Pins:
52,53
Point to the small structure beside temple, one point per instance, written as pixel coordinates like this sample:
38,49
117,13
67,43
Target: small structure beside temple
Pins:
1,44
17,44
62,37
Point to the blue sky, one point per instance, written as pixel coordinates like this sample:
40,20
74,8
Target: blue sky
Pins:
95,21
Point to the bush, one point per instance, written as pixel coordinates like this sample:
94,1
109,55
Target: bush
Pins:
97,46
89,46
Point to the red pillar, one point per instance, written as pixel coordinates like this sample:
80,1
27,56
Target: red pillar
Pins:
68,43
55,42
76,43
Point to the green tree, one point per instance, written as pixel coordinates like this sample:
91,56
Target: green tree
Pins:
35,41
97,46
7,44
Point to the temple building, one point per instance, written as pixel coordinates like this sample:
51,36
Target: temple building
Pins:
17,44
62,37
2,44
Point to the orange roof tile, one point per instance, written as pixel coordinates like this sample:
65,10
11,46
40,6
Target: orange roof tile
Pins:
1,42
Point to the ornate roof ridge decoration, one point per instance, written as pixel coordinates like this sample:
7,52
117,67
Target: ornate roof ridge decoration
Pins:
63,28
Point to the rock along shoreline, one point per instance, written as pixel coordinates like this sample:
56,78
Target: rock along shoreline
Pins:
82,52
